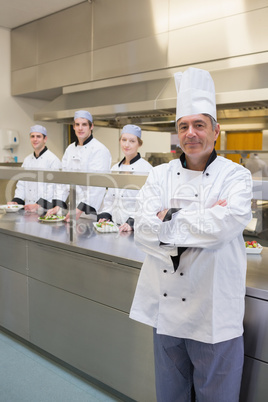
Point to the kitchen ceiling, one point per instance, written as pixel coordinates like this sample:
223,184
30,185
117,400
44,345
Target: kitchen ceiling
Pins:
151,103
14,13
241,106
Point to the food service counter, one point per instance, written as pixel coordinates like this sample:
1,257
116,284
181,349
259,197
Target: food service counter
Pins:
72,301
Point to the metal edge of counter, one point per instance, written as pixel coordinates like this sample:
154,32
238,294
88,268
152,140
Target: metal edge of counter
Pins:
75,248
251,290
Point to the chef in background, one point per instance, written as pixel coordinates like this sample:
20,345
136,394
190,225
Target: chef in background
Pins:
86,154
190,218
257,166
35,195
119,204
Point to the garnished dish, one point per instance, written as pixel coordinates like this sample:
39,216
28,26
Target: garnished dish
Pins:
105,227
52,218
11,207
253,247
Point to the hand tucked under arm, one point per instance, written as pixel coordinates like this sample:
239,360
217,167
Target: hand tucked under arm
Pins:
161,214
222,203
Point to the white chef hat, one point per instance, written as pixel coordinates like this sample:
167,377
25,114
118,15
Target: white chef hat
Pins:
131,129
195,93
84,115
38,129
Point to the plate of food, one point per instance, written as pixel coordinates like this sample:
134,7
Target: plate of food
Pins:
253,247
11,207
105,227
51,218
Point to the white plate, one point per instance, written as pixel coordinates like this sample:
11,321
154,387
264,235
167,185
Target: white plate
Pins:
108,228
58,219
11,207
256,250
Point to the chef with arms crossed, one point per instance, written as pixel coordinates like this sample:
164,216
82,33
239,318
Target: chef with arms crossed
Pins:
86,154
36,195
119,204
190,218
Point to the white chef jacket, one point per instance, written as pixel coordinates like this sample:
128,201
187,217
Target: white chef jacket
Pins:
203,299
38,192
257,166
119,204
93,156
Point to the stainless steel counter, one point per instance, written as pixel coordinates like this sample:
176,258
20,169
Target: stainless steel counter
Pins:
73,299
115,247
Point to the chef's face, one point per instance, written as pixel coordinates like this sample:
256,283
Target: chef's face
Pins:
197,136
38,141
82,128
129,145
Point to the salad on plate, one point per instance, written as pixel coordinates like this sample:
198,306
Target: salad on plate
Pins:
11,207
105,227
51,218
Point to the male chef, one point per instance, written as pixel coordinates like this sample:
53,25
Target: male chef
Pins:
86,154
37,194
190,219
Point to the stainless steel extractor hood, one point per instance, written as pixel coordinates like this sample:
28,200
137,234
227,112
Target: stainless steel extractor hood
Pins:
242,100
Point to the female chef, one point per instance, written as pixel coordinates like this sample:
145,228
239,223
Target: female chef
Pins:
119,204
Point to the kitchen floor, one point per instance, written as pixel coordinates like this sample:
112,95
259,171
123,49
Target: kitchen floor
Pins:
28,376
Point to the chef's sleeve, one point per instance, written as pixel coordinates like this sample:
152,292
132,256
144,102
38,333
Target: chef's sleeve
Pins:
213,226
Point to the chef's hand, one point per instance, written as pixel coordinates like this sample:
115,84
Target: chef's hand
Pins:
161,214
77,215
103,220
222,203
31,207
53,211
125,228
12,203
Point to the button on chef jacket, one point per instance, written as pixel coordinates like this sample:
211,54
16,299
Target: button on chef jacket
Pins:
34,192
119,204
204,298
92,156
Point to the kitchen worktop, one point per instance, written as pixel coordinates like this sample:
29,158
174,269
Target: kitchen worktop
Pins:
119,248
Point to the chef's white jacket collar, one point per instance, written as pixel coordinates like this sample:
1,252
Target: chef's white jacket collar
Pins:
85,142
135,159
211,158
41,153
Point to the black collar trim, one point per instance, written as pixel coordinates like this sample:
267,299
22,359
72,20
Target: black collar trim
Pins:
41,153
211,158
135,159
85,142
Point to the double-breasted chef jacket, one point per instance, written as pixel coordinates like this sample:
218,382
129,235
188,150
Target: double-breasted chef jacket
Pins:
92,156
203,299
119,204
37,192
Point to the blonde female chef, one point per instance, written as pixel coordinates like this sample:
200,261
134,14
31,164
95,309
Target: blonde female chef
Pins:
119,204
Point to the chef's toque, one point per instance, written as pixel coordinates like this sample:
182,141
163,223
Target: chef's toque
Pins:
131,129
195,93
38,129
84,115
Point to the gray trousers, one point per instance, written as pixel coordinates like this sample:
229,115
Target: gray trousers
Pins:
188,370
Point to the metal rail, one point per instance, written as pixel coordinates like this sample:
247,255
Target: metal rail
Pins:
97,179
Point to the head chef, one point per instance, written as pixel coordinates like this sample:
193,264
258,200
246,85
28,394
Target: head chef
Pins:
196,117
195,267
